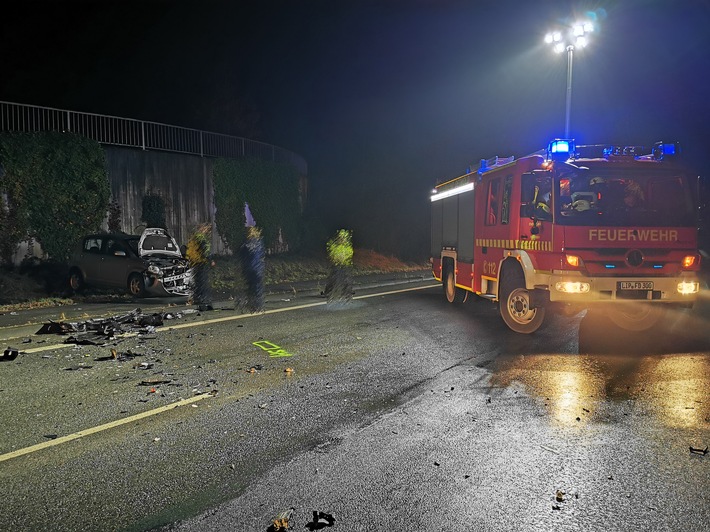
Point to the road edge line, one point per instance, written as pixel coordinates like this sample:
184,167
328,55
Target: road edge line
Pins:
101,428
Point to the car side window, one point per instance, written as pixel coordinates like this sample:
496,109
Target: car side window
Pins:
492,203
113,245
92,245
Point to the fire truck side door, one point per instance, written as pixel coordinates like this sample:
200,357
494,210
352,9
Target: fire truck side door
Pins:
536,207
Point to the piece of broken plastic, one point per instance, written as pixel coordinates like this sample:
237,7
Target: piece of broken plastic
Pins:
10,354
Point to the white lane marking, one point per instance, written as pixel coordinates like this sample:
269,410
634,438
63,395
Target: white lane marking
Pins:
284,309
100,428
238,317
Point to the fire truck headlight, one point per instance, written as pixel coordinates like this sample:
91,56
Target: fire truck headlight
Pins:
688,287
572,287
688,261
574,261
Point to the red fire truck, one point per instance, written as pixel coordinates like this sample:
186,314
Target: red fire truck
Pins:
569,228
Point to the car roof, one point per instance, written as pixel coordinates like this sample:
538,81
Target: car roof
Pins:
120,236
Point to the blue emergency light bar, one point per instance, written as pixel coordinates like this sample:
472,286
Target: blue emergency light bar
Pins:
560,149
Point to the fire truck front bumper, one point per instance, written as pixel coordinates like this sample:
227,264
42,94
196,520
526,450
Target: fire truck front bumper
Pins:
573,287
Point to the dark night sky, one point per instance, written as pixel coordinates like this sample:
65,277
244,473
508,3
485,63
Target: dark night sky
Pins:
382,98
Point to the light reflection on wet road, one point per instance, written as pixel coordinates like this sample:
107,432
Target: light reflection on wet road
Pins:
663,372
673,388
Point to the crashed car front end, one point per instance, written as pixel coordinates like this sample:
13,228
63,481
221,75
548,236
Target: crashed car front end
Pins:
168,276
168,272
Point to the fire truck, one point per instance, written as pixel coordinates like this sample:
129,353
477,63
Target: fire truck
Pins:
570,228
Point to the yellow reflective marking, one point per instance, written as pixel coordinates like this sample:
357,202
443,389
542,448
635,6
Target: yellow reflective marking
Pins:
534,245
274,350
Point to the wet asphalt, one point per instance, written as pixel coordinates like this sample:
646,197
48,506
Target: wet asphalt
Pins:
400,412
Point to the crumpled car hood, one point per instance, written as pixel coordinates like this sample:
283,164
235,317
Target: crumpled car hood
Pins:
156,241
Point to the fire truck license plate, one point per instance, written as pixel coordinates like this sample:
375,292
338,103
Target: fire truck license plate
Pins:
635,285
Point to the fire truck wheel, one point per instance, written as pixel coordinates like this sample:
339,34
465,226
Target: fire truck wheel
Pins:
453,293
636,316
515,304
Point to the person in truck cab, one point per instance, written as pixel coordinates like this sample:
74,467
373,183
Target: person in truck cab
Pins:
542,203
633,195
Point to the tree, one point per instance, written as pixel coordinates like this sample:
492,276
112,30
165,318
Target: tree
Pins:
56,189
114,217
153,210
273,193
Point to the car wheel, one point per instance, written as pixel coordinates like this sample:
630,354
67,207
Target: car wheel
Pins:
136,285
76,280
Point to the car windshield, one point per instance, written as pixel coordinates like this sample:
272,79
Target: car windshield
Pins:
133,244
644,198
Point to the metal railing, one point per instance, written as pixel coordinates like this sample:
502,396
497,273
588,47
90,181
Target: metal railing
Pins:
118,131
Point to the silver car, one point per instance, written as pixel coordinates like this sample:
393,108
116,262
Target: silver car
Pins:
149,264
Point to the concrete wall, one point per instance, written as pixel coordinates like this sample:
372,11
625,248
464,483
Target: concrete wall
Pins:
184,182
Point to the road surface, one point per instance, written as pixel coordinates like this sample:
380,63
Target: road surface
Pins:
396,411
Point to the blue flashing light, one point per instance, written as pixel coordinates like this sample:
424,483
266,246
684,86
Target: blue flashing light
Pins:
658,266
666,149
560,149
610,266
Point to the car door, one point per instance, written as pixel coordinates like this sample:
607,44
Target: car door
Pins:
536,225
115,264
91,259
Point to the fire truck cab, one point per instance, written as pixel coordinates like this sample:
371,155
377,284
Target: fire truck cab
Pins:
568,228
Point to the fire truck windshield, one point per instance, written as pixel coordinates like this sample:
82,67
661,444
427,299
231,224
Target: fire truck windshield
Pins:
623,197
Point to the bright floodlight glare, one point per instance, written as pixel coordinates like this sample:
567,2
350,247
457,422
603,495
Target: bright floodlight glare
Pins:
559,48
581,41
578,30
588,27
557,36
548,38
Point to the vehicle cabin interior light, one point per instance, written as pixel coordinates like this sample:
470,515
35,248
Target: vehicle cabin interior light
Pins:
572,287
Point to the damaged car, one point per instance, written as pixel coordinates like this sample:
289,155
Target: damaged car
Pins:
146,264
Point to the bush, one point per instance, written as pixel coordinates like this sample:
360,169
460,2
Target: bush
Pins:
272,191
153,210
56,190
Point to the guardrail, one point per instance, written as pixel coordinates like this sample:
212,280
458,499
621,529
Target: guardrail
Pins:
129,132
